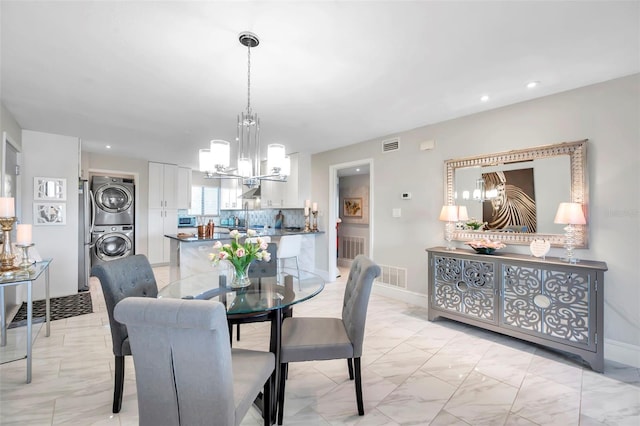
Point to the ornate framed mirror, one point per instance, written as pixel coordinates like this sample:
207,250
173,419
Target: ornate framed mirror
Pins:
486,186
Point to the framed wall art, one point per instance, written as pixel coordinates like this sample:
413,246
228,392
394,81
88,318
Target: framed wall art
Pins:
49,214
352,207
49,189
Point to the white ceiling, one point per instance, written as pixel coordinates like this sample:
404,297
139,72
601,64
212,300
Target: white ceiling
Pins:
158,80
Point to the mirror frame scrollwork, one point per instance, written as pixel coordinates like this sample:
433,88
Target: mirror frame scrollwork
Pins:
577,152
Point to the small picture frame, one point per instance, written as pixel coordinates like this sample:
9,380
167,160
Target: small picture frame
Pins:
49,189
539,247
49,214
352,207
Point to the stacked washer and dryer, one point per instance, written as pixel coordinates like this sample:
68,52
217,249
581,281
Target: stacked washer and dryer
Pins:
112,233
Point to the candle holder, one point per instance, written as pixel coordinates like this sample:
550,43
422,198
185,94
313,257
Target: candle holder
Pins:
7,256
26,262
315,220
307,227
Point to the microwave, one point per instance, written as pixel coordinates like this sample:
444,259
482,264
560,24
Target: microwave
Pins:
186,222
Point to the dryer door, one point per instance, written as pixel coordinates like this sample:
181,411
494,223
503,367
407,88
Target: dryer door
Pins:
112,246
113,198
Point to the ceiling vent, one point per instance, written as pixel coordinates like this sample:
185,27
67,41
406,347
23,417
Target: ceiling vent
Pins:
391,145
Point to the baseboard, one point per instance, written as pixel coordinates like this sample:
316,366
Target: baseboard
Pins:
621,352
401,295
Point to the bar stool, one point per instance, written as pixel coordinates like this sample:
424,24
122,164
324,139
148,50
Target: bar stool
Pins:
288,248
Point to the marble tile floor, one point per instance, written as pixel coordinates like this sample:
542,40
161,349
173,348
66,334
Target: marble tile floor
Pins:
415,372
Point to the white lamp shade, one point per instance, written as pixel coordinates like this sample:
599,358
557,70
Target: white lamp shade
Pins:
449,213
244,167
220,152
462,213
275,156
570,213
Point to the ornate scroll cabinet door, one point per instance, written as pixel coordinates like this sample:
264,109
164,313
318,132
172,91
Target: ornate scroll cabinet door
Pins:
549,302
464,286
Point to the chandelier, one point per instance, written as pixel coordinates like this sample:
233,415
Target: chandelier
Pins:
215,161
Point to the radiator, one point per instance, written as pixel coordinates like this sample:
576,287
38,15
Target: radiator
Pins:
393,276
350,247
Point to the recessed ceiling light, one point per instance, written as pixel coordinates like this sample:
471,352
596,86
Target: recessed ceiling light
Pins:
357,170
532,84
108,146
484,98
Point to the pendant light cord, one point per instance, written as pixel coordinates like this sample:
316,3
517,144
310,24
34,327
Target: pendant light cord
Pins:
249,79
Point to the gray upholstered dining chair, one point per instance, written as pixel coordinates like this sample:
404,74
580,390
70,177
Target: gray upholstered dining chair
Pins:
258,270
121,278
186,371
313,339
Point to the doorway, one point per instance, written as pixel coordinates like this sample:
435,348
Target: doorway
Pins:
351,214
11,297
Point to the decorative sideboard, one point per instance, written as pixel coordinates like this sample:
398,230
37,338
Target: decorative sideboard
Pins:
545,301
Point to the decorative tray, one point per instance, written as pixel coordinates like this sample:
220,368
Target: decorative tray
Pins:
485,246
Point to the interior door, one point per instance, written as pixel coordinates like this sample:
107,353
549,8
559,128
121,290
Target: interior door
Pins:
10,296
10,173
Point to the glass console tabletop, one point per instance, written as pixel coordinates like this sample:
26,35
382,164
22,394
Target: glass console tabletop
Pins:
263,295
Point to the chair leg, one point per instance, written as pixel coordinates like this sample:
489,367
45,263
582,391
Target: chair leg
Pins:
266,402
284,370
230,326
359,386
298,269
238,332
350,365
119,384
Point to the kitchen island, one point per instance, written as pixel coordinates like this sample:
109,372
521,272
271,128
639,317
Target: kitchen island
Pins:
190,255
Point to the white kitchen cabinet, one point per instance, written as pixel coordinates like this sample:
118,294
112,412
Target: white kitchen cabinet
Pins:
184,188
163,210
161,223
273,193
163,186
298,186
230,193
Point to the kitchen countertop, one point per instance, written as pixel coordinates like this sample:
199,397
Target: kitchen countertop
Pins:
224,236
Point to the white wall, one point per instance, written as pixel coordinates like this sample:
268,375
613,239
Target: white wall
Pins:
606,113
48,155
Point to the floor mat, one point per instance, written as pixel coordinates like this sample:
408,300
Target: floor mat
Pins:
61,307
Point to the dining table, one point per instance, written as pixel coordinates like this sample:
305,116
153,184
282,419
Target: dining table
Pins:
265,299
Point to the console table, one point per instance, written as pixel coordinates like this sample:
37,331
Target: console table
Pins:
546,301
16,278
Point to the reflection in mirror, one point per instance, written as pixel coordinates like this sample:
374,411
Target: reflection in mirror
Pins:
49,188
550,184
515,194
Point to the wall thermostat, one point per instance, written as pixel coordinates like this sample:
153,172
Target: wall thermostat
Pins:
405,196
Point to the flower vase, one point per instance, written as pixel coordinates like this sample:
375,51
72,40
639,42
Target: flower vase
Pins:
241,277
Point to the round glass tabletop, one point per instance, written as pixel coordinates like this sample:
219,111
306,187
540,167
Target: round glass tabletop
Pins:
263,295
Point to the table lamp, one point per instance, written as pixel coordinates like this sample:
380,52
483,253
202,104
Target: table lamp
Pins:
449,214
462,213
570,214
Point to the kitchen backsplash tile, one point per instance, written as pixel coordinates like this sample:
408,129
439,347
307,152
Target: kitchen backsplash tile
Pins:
266,217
